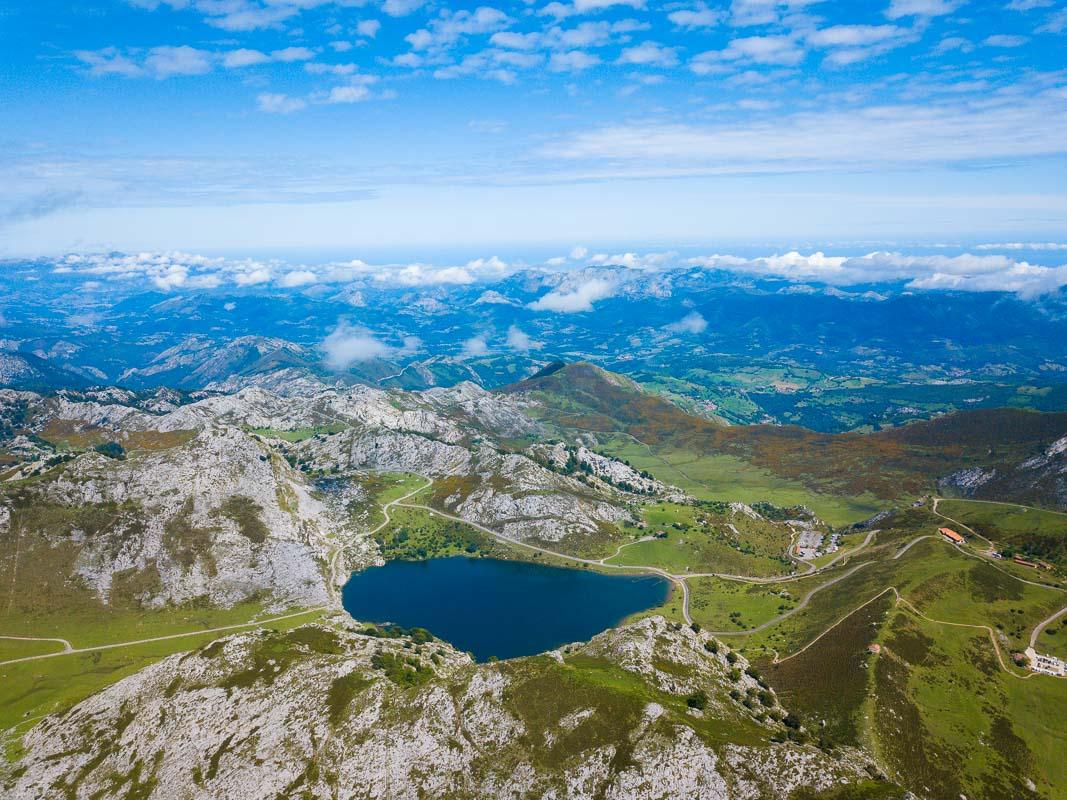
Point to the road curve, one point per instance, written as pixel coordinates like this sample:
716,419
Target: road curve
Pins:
66,645
334,577
1044,624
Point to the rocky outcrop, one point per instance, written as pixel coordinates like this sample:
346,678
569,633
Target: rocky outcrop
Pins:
219,517
505,491
327,712
1040,480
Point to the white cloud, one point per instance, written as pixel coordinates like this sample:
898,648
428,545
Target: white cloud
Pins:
168,62
158,62
951,43
921,8
579,252
475,347
330,69
109,62
289,54
450,27
492,266
573,61
170,278
585,6
275,103
633,260
576,299
236,59
244,58
425,275
401,8
1004,40
1056,23
347,345
356,93
745,13
298,277
510,40
165,62
693,323
1029,5
166,271
853,35
252,277
649,54
966,272
493,126
776,50
1022,246
698,17
521,341
563,10
368,28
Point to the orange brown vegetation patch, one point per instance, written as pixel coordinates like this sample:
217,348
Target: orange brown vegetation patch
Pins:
889,463
81,435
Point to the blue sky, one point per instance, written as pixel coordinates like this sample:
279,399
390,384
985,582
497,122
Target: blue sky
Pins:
370,127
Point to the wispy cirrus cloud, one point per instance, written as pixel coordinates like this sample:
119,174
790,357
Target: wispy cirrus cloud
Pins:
1015,127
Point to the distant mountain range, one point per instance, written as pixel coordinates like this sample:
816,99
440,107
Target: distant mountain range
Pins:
738,350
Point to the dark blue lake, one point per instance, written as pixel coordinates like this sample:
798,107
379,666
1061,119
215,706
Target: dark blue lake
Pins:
491,607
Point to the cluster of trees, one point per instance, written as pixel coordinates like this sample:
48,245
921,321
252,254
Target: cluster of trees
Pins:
112,450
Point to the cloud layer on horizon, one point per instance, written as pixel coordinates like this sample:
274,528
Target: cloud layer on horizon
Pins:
578,282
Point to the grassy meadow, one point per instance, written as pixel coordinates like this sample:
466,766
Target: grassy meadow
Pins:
732,479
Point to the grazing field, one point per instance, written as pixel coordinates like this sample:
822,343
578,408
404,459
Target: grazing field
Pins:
709,537
950,718
299,434
732,479
724,605
1053,640
49,685
14,648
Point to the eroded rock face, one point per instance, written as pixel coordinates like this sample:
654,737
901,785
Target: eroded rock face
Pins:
324,711
967,481
218,517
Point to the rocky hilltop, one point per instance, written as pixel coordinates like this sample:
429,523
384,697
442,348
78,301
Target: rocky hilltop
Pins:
167,497
338,711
